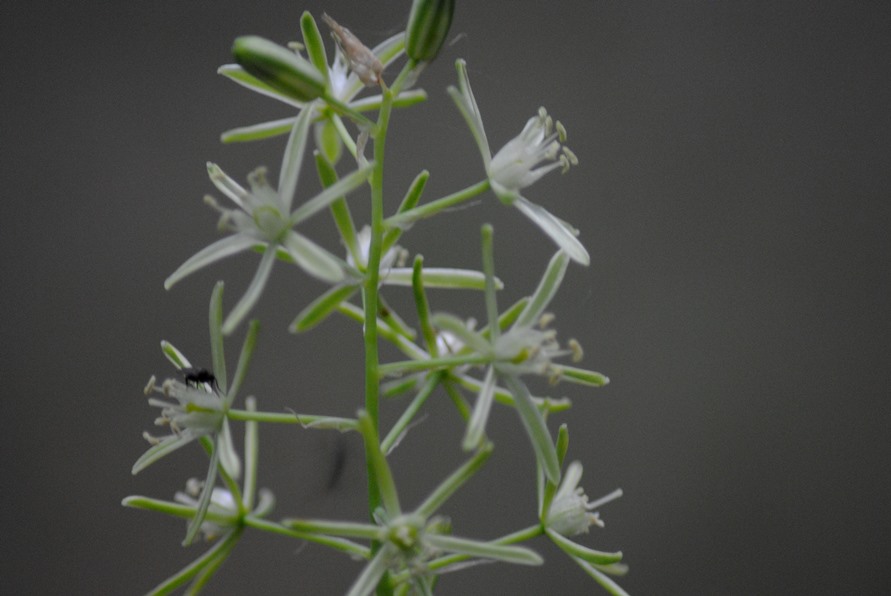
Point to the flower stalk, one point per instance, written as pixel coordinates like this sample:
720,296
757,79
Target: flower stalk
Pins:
344,100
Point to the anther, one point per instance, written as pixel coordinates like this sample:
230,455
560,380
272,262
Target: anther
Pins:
546,319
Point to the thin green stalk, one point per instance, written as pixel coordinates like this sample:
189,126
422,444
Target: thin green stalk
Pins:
406,366
514,538
399,429
370,290
434,207
337,543
293,418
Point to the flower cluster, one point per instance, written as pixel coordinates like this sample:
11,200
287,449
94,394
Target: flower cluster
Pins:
342,105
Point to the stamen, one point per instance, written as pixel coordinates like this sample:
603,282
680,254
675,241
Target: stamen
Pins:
193,487
561,132
570,156
605,499
151,439
150,386
576,349
546,319
564,164
257,178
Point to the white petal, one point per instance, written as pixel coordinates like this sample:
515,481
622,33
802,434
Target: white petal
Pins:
252,294
314,259
559,231
476,428
220,249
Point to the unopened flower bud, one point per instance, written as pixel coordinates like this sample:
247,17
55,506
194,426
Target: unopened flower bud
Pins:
280,68
428,25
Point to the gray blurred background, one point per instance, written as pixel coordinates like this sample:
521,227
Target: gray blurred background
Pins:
733,192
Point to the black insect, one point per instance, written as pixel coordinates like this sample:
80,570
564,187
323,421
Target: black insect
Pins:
197,376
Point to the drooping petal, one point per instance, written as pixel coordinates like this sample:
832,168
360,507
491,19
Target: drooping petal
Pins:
535,428
476,428
313,259
252,294
559,231
225,247
167,446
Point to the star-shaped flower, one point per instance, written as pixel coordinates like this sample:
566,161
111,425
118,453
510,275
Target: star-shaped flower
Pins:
263,220
409,542
199,411
537,150
565,511
509,349
220,514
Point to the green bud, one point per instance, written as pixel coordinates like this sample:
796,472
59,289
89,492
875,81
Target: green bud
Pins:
428,25
279,67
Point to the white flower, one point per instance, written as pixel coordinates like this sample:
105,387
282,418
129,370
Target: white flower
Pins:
528,350
262,219
537,150
195,412
517,164
222,505
570,512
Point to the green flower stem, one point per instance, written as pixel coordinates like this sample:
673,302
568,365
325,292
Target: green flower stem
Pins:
344,110
489,272
405,366
401,425
345,136
234,489
218,552
423,306
403,76
334,528
412,215
514,538
174,509
386,332
455,481
251,458
458,399
340,211
340,544
308,420
214,563
370,292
